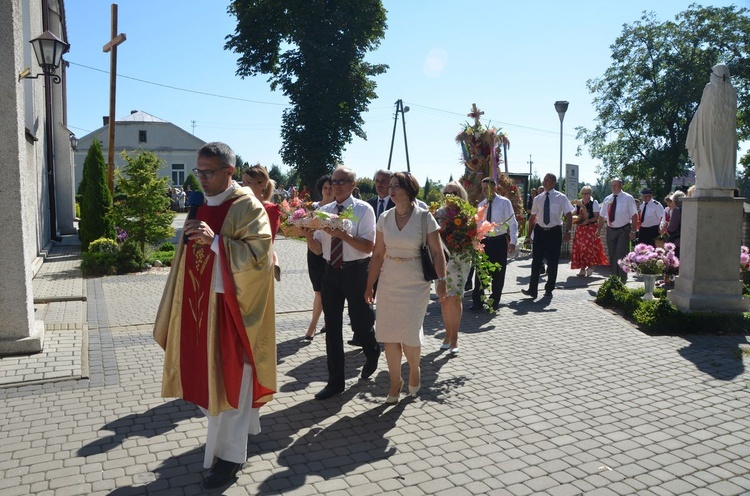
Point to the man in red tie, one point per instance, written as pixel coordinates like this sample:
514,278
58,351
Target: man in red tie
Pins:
347,254
621,214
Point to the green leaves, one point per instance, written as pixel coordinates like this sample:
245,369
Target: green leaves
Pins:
313,52
647,98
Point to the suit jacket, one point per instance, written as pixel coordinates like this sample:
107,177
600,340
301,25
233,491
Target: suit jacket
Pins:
374,204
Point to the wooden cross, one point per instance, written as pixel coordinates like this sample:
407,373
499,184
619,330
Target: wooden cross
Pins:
475,114
111,47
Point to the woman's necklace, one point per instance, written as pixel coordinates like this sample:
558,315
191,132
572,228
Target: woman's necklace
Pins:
406,214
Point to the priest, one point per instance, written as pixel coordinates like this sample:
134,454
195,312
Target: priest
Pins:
216,319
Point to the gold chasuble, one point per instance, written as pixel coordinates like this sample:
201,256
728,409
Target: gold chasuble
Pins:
207,336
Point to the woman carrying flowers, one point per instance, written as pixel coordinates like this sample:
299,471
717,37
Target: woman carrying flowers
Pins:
316,263
459,263
587,246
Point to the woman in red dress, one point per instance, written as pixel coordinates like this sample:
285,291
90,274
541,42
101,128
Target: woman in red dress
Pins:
587,247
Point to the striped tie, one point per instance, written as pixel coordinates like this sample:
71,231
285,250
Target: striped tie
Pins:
337,246
547,219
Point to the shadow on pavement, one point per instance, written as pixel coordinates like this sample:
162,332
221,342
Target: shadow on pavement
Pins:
153,422
709,354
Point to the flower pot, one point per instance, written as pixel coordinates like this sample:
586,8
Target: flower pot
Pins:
649,280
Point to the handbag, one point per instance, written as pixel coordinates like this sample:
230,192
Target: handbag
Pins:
428,267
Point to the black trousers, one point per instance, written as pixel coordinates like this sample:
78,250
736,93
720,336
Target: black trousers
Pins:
346,284
648,235
496,248
547,245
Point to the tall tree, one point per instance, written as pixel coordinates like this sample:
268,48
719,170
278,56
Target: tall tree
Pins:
96,201
314,51
144,210
647,98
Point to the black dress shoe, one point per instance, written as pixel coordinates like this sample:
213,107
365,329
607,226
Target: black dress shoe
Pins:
220,474
328,392
370,366
354,342
528,292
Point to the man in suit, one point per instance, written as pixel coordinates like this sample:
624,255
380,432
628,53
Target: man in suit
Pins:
382,201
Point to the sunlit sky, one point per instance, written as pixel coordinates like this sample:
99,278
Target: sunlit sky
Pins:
513,59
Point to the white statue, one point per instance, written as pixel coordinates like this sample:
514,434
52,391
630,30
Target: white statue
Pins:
712,136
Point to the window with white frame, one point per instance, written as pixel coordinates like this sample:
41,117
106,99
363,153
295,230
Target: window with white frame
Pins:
178,174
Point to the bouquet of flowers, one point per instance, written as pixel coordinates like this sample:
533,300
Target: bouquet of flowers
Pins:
323,220
582,214
744,259
462,230
289,210
671,262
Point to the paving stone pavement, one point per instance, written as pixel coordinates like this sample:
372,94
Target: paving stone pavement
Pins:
556,397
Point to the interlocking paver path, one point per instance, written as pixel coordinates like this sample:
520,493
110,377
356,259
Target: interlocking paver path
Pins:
558,397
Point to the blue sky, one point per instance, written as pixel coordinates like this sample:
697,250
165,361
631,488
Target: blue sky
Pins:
513,59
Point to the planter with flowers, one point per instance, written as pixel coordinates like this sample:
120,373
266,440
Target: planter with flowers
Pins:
649,263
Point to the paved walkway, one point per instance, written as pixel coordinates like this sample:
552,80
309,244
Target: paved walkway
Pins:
555,397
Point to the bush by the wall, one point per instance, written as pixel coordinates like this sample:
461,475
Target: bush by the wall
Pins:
96,200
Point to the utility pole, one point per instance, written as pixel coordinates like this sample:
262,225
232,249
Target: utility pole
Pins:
192,123
399,108
111,47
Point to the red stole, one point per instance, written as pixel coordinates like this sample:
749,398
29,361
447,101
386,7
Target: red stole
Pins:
195,366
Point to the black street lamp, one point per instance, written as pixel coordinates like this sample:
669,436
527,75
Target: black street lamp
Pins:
49,50
561,106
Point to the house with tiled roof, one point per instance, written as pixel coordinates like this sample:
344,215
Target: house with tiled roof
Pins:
142,131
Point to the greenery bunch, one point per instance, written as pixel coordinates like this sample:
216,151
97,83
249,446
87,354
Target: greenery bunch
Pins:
96,200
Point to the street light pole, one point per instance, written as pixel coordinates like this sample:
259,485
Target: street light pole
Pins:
561,106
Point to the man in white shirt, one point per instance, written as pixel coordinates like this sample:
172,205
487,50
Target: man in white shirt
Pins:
620,213
650,216
545,222
499,242
345,279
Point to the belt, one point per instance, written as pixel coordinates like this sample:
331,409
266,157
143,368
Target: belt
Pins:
350,263
621,227
548,228
401,259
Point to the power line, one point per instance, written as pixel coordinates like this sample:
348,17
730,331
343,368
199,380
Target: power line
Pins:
182,89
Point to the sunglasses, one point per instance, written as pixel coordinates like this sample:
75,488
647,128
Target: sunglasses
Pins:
339,182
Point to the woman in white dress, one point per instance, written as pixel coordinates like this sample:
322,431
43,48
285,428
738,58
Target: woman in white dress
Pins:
403,294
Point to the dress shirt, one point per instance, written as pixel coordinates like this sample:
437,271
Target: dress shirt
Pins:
626,209
363,226
559,205
502,214
654,213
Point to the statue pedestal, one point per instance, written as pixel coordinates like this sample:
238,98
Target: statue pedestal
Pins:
710,240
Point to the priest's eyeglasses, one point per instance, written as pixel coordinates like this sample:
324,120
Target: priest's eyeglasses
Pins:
207,173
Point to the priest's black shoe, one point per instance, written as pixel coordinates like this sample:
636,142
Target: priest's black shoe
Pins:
528,292
328,392
220,474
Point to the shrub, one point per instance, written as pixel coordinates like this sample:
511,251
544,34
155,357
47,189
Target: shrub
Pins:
658,314
101,263
607,294
165,257
167,246
104,245
130,258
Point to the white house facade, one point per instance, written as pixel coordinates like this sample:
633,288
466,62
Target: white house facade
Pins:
142,131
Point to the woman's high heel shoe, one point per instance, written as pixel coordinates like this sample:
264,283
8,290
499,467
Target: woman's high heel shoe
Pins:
392,400
415,389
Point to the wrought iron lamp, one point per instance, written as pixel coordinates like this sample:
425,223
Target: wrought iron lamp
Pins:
48,49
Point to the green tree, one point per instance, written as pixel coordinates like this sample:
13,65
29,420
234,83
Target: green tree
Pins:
239,167
193,182
314,52
647,98
96,200
275,173
144,211
431,192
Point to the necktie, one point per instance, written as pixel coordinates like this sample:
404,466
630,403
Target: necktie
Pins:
547,216
337,246
643,212
612,209
381,206
489,211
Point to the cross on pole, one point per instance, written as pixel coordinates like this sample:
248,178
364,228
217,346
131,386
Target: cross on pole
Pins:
475,114
111,47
